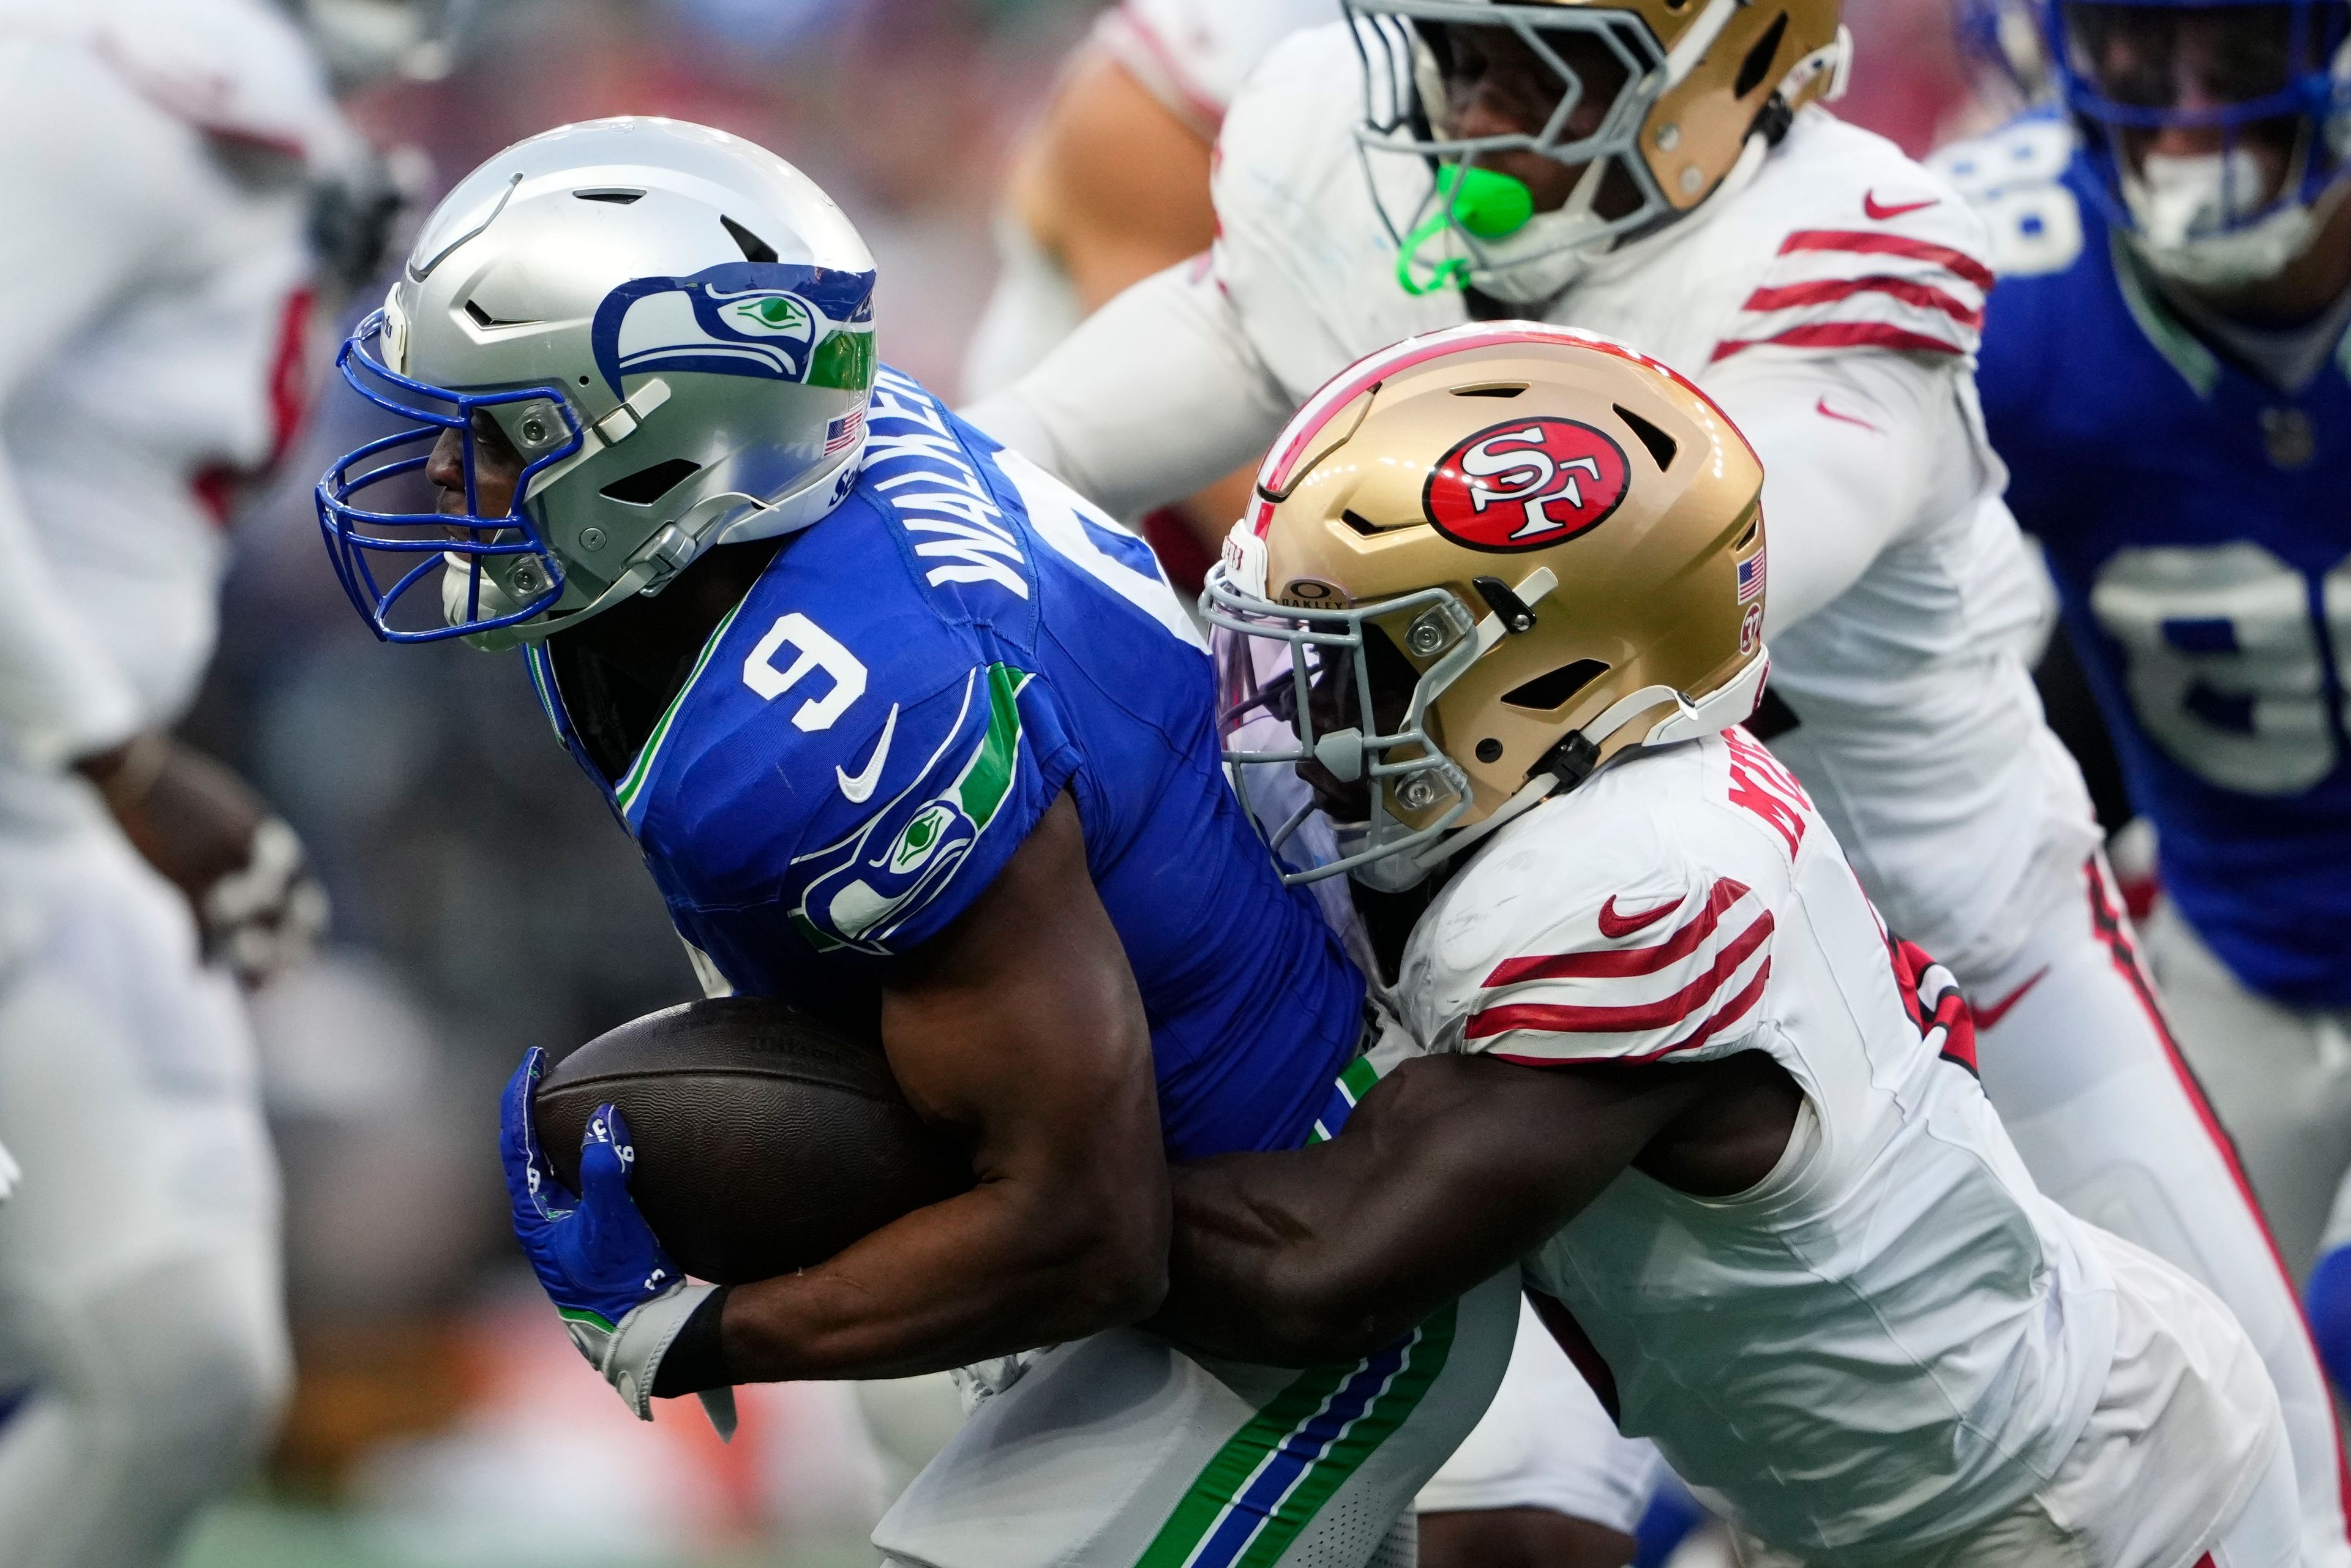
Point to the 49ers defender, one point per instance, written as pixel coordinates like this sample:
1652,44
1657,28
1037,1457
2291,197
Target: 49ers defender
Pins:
1666,174
1733,1127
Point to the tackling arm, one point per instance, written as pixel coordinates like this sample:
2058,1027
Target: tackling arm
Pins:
1020,1025
1451,1169
1860,450
1158,393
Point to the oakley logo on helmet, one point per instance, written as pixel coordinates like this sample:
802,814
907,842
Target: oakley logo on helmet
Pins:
769,319
1312,593
1527,484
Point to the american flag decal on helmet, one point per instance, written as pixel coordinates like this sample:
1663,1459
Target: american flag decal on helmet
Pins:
1750,578
845,432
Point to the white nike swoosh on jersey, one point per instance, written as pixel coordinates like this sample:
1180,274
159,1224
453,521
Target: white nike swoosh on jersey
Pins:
861,785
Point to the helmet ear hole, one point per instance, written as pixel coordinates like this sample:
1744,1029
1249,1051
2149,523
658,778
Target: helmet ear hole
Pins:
1555,688
1393,677
1758,63
646,486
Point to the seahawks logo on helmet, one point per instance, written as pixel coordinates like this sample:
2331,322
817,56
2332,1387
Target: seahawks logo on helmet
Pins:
770,315
812,325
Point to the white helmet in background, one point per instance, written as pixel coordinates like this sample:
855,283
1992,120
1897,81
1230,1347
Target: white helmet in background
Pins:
671,326
364,41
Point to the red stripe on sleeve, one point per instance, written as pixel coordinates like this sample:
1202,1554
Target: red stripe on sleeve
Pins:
1723,1017
1840,335
1617,963
1862,242
1731,1011
1827,290
1569,1017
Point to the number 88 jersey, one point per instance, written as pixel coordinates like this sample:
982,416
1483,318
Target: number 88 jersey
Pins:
2195,522
902,696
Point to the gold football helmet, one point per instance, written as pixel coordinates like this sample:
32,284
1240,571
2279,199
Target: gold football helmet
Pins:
1479,564
1655,102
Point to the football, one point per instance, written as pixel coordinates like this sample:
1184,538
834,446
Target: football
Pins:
767,1139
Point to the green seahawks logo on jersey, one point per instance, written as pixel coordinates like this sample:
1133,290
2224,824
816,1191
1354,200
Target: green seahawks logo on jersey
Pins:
921,836
872,882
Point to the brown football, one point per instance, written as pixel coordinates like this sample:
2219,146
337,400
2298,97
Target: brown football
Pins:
767,1139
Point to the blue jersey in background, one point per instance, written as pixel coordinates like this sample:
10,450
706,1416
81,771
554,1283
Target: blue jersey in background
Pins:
2198,524
910,683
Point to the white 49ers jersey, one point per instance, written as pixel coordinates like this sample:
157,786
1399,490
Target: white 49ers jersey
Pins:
1829,304
1894,1336
155,163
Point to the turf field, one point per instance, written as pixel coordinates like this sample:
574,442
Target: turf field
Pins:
254,1534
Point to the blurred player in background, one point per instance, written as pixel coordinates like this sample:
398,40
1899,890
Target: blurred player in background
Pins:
1664,173
157,158
1112,185
2164,371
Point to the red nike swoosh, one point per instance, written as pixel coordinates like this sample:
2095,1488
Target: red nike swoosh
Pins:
1822,407
1880,214
1990,1016
1613,925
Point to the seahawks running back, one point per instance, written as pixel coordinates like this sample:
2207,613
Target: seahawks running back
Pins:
910,736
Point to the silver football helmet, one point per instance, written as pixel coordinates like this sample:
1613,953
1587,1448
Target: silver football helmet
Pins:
671,327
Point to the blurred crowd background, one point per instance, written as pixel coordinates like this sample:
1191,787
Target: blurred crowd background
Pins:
485,901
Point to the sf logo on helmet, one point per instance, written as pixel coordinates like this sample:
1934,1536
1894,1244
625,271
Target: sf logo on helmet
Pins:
1528,484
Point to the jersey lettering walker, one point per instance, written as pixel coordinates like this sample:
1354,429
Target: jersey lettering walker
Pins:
871,733
2192,517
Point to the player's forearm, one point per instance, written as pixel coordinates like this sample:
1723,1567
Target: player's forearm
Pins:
1263,1268
1008,1266
1449,1171
1323,1254
1112,183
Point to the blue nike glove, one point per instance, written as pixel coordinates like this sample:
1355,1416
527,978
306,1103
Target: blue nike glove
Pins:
618,1293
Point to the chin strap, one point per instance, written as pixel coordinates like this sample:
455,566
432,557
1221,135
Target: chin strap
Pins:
1577,755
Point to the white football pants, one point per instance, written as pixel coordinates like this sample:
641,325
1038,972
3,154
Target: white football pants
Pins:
2080,1062
2279,1078
1547,1442
1121,1451
139,1261
2183,1461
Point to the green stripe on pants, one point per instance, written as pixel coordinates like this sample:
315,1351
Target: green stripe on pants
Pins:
1227,1476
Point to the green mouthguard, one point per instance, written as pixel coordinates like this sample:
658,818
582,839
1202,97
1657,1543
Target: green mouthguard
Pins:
1485,203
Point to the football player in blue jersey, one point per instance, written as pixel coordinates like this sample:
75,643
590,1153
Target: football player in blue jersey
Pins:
910,736
2164,370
